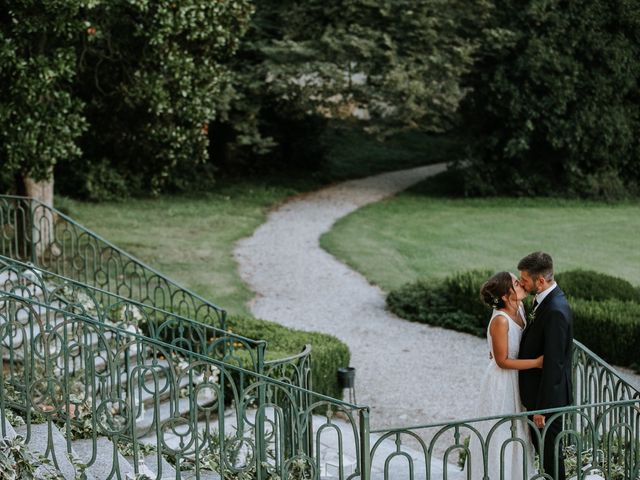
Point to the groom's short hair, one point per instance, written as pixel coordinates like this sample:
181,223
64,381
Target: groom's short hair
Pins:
537,264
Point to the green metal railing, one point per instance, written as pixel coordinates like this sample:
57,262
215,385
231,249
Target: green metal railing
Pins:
81,381
94,380
601,433
59,247
70,295
34,232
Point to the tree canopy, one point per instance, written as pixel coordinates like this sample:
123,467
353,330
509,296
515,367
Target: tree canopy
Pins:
126,97
555,106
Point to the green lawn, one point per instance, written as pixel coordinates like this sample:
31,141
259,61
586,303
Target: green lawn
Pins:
188,239
420,236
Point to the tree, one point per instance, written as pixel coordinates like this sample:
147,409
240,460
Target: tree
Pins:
40,118
391,64
555,106
132,86
153,75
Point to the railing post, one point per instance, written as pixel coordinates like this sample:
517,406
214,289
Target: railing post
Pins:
32,236
261,443
365,449
3,420
223,320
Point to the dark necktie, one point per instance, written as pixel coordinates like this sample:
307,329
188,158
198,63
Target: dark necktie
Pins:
535,304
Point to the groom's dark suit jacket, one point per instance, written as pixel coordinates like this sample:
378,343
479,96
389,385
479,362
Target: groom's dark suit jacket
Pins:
551,335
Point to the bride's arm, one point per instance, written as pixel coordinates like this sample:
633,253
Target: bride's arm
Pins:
499,331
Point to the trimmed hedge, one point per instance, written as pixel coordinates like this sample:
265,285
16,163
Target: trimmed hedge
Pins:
463,291
611,328
590,285
453,303
606,309
327,354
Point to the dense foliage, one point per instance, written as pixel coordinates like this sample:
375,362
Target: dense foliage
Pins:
590,285
139,96
555,107
40,116
153,75
387,65
142,79
611,328
138,89
606,313
606,309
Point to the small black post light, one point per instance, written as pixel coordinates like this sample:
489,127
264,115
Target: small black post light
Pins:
347,379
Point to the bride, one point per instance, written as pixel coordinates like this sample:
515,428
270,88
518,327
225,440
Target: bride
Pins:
499,393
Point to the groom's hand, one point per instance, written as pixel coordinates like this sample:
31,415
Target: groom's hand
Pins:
538,420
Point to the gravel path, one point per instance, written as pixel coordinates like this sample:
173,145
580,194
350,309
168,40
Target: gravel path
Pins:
408,373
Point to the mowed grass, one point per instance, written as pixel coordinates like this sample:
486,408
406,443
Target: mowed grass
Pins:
418,236
188,239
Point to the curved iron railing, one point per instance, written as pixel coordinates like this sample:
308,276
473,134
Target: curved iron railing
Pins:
32,231
114,392
124,401
70,295
96,380
57,245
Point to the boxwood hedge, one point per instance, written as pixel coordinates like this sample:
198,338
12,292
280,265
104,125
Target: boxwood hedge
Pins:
606,309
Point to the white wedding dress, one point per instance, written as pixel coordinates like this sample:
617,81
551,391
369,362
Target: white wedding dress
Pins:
500,395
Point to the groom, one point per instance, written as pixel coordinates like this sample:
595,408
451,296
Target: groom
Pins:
549,333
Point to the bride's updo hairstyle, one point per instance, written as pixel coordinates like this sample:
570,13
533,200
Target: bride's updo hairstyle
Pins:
495,288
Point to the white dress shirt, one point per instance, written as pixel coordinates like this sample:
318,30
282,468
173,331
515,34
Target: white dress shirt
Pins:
542,295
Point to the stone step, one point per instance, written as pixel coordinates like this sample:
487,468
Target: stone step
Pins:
9,432
102,454
167,472
160,390
150,417
204,475
43,436
9,278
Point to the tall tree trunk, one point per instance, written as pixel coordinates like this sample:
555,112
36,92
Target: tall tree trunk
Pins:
42,220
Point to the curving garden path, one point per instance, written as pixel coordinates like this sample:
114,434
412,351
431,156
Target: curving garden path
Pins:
408,373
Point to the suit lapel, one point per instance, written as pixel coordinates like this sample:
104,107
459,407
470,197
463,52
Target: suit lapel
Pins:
546,303
541,310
